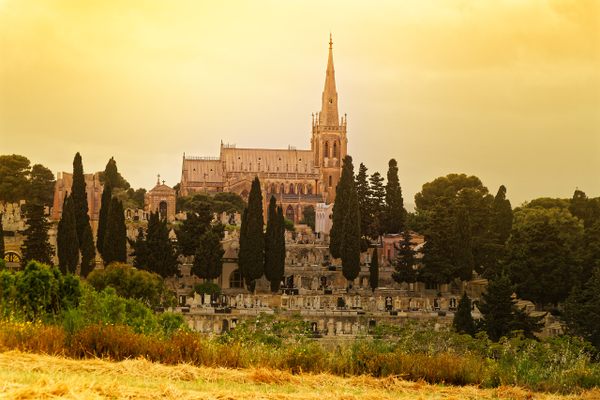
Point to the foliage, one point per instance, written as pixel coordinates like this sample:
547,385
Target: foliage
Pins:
308,217
41,185
197,222
217,203
374,270
463,320
156,252
405,261
365,203
582,310
132,283
66,238
541,253
14,170
377,190
500,314
103,217
208,260
207,288
275,245
115,238
36,245
88,252
252,242
79,196
394,212
1,240
112,177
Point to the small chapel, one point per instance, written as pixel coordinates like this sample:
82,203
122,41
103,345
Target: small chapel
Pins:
297,178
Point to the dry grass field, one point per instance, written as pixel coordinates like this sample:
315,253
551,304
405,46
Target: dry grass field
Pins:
32,376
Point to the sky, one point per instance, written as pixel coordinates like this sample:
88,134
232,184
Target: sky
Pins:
507,90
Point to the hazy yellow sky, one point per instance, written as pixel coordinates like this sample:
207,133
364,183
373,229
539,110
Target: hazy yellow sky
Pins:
506,90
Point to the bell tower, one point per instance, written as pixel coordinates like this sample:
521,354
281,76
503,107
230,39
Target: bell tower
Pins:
329,141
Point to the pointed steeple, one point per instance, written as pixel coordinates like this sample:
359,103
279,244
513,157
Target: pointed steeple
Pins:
329,108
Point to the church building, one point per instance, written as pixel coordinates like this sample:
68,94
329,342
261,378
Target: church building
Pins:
297,178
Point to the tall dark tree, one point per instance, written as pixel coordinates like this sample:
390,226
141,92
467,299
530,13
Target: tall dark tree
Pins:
365,202
115,239
88,252
590,251
582,310
66,239
103,216
374,270
274,236
14,170
308,217
340,207
36,245
438,248
502,216
463,320
405,261
252,255
197,222
41,185
140,250
500,313
112,176
348,231
377,190
463,250
1,238
208,260
395,213
79,196
161,252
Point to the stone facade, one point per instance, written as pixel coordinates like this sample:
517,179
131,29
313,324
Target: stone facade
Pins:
297,178
162,199
62,188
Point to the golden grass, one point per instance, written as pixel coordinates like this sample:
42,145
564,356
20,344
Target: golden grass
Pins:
33,376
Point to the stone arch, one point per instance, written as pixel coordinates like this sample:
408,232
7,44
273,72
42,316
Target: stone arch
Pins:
236,281
290,214
326,150
291,189
13,260
162,209
309,189
335,150
282,188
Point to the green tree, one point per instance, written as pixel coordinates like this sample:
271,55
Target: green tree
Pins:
463,320
463,253
37,290
251,258
275,245
340,207
197,222
405,261
308,217
103,216
79,196
350,230
365,202
208,260
14,170
1,238
582,310
541,254
140,249
377,204
41,185
132,283
36,245
500,313
112,177
590,252
374,270
66,239
115,238
161,252
502,215
88,252
394,212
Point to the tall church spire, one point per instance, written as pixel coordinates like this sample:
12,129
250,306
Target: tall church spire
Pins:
329,108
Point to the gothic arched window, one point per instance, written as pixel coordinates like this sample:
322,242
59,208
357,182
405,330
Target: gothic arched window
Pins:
330,180
335,150
326,150
291,188
282,189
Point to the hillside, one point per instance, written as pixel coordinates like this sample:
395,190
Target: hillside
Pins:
32,376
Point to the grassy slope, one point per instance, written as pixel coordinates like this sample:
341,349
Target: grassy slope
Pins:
32,376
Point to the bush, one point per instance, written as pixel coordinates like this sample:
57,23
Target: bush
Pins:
210,288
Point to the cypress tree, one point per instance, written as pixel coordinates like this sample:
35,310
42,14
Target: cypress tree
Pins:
340,207
502,216
36,245
208,260
377,190
66,239
197,222
1,238
350,232
88,252
374,271
103,216
140,250
463,253
161,254
463,320
79,196
363,191
405,261
252,245
112,177
274,238
395,214
115,239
